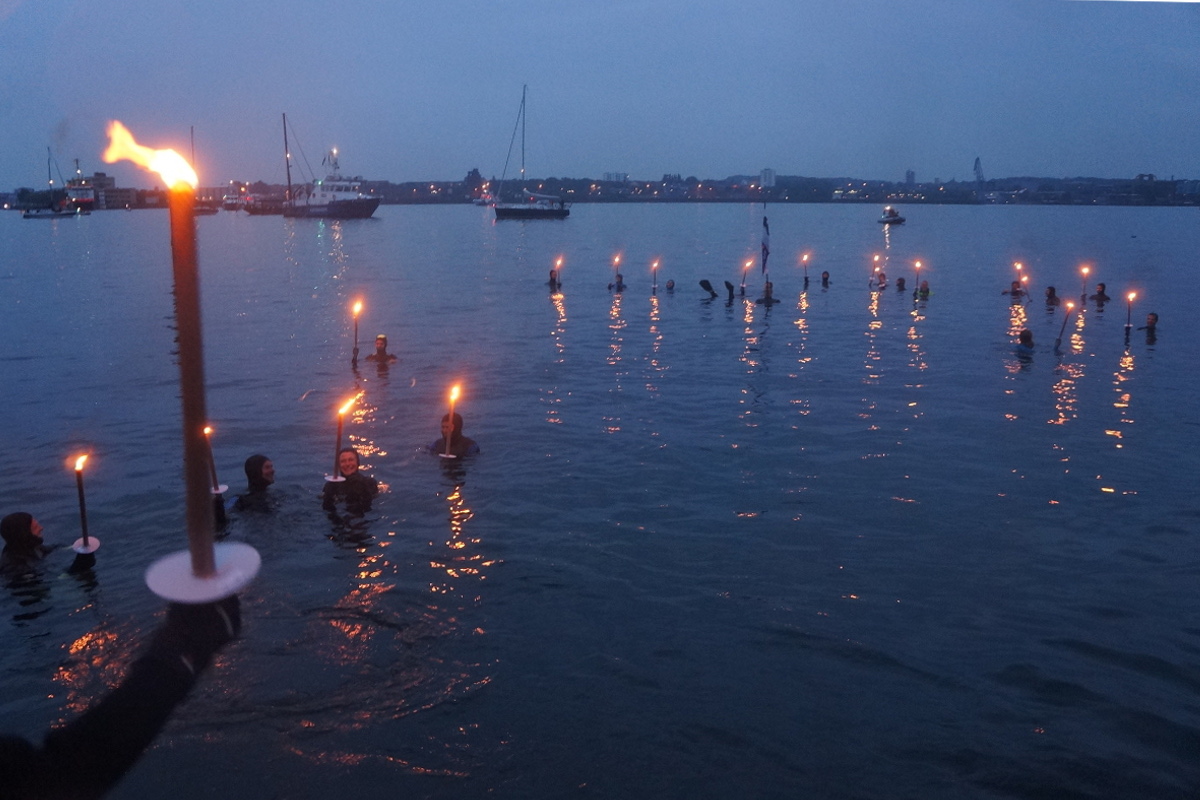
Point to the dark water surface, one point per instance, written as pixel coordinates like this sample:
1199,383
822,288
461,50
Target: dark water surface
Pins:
852,547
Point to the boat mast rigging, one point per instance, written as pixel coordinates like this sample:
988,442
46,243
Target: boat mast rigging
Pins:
287,159
519,124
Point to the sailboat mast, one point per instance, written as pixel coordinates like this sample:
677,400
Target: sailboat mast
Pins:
524,88
287,159
49,174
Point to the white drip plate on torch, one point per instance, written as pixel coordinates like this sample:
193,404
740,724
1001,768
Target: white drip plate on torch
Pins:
334,479
172,579
220,488
93,544
447,455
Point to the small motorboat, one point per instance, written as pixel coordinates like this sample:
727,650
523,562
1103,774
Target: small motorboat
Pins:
891,217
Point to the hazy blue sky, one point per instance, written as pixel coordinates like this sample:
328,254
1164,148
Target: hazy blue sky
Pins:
428,90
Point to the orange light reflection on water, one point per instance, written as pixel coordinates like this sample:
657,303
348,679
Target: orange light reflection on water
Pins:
95,661
617,324
1123,403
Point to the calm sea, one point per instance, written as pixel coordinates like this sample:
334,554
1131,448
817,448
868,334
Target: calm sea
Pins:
851,546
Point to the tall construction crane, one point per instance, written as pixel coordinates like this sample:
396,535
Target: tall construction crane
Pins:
979,172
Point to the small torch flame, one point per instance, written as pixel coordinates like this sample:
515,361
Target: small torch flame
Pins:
357,307
454,393
173,167
1132,295
79,462
208,430
349,404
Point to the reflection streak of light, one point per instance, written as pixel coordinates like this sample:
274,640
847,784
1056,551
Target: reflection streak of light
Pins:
1122,403
464,561
550,394
801,322
617,323
656,365
1017,318
94,654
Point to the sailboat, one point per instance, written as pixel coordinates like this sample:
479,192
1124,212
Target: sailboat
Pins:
57,206
335,197
531,205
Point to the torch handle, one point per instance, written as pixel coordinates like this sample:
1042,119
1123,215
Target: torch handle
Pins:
191,379
337,450
212,469
82,506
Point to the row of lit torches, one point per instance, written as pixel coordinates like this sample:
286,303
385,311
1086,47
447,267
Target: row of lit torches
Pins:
1084,271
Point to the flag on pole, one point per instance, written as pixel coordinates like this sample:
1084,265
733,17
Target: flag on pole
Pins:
766,245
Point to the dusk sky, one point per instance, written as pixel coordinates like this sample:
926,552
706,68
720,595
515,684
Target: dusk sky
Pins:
425,91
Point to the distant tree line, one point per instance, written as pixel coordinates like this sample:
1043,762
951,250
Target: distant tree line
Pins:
1142,190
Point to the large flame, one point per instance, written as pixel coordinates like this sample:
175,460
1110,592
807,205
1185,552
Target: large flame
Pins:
173,167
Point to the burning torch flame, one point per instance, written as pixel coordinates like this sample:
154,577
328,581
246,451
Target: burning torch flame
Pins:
357,307
454,393
208,430
348,406
1132,295
79,462
173,167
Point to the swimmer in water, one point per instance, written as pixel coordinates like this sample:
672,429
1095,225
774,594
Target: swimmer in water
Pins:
768,298
357,489
260,474
23,543
1052,298
825,280
1025,341
1151,328
1100,296
24,546
618,284
460,445
381,354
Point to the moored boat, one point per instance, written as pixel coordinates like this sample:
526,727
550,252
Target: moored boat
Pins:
262,205
335,197
536,206
58,204
531,205
891,217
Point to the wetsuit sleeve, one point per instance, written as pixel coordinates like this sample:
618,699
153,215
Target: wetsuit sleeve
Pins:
87,757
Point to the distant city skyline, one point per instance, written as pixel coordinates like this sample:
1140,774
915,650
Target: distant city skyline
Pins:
411,92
